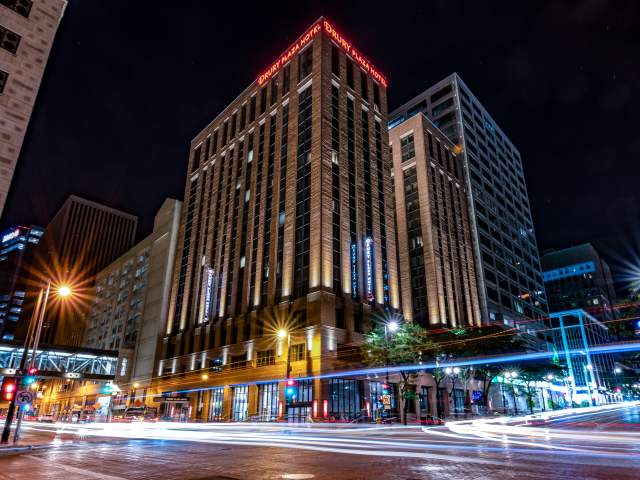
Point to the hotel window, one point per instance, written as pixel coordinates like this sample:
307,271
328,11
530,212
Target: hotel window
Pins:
305,65
225,132
284,144
376,95
364,86
274,91
252,109
303,195
297,352
234,120
407,148
263,100
349,73
3,80
286,79
265,358
335,60
335,189
9,40
214,148
243,116
266,236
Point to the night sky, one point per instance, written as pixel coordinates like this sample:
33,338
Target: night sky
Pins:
130,83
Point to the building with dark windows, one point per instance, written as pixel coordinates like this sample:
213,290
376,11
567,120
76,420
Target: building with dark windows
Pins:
578,277
16,249
27,29
507,264
287,229
439,286
81,239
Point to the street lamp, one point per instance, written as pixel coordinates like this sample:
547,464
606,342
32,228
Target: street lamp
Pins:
31,341
511,376
389,327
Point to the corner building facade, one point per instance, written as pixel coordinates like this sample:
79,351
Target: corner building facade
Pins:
287,226
439,289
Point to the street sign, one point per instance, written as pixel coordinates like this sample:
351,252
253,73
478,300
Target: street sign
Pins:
24,397
386,401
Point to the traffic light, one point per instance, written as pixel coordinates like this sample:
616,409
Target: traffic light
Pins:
8,389
30,378
386,389
291,391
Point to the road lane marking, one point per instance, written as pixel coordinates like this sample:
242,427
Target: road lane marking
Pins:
79,471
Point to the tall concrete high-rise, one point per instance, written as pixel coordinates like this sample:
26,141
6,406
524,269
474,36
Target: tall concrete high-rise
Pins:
287,225
81,239
507,263
27,28
131,301
439,287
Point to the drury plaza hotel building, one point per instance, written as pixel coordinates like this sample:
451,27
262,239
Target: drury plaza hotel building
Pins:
287,241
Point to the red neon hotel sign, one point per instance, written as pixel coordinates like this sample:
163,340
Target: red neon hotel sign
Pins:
323,25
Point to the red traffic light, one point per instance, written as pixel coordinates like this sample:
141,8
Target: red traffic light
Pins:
32,371
291,382
8,388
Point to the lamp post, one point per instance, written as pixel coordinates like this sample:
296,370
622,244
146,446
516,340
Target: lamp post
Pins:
32,340
589,380
511,376
453,376
282,334
389,327
616,371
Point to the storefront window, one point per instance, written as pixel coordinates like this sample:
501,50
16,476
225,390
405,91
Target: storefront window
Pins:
215,409
240,403
268,401
344,398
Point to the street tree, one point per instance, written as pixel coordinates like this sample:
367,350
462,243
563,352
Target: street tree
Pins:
409,344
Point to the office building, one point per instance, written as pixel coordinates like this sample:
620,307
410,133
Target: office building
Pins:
16,250
287,226
578,277
81,239
507,264
27,29
132,299
590,374
439,284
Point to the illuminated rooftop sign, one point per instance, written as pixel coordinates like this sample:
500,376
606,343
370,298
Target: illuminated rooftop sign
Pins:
322,25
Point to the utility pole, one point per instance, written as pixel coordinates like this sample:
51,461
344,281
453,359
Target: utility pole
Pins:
33,327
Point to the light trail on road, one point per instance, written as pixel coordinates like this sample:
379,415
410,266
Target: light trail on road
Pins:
456,440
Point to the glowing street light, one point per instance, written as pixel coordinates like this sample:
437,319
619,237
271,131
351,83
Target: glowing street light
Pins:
282,334
205,377
64,291
393,326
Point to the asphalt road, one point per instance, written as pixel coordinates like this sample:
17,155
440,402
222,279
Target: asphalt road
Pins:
586,445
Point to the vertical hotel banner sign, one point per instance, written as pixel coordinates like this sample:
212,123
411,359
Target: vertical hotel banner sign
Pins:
368,267
207,296
320,26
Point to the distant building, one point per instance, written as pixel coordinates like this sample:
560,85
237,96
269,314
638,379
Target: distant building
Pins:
577,277
574,333
82,239
438,283
16,249
132,295
507,264
27,28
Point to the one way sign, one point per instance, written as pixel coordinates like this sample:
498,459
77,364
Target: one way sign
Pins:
24,397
